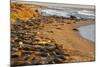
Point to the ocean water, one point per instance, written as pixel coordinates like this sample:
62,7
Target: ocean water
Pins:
88,32
78,13
50,12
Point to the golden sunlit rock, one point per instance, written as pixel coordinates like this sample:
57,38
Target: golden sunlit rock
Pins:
23,12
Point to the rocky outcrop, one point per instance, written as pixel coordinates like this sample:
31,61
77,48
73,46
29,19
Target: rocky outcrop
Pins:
23,12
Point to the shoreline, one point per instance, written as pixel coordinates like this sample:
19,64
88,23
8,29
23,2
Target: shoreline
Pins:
88,32
42,39
73,39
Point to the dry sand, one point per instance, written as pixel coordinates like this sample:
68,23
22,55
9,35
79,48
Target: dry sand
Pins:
80,48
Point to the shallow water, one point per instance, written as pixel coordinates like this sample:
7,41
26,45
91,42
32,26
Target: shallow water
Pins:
88,32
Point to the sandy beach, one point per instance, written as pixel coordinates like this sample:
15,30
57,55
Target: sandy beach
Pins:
64,34
49,30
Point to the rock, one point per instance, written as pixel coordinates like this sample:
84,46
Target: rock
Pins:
18,53
73,17
75,29
27,52
68,23
33,47
20,63
50,31
44,60
20,43
43,54
23,12
14,56
59,28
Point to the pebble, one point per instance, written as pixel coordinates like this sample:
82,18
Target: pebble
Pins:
20,43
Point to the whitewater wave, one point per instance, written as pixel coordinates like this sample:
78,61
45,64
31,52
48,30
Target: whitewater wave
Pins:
78,14
85,12
50,12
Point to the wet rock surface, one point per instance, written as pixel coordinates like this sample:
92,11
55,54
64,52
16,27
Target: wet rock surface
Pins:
27,48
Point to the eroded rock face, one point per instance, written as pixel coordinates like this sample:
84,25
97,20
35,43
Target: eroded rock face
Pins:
23,12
